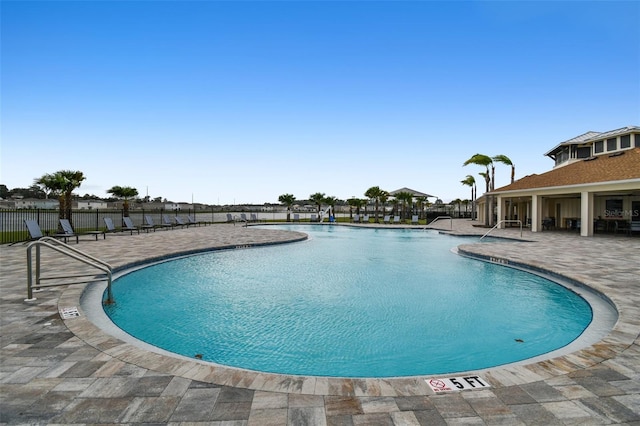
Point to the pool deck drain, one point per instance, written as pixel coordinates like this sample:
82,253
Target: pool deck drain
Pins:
71,372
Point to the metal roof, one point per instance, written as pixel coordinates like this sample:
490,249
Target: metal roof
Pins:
592,136
412,191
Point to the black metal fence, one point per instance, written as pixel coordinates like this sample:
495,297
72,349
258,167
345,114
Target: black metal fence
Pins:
13,229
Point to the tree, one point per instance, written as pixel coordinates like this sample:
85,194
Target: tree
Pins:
384,197
458,202
423,203
62,184
471,182
505,160
124,193
486,161
357,203
318,199
406,199
287,200
331,202
374,193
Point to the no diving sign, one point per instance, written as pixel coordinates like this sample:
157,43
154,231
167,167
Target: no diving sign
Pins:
454,384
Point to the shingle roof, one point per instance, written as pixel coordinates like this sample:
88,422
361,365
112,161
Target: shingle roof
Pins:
622,165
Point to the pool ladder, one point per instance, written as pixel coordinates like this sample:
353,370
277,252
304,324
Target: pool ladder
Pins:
504,221
440,217
71,252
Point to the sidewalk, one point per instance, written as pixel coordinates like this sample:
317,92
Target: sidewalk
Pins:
71,372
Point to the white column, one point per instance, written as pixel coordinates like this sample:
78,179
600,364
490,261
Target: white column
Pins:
500,207
586,214
536,213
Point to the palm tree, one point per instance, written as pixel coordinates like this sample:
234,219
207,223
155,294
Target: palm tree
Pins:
471,181
358,203
374,193
506,160
482,160
423,204
384,197
318,199
62,184
287,200
486,161
406,198
465,203
331,202
124,192
458,202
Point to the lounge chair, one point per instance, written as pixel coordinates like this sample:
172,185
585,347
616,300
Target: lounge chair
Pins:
386,219
181,223
193,221
166,222
66,226
129,226
243,217
365,218
396,219
35,233
314,218
67,231
111,228
230,218
356,218
148,224
414,219
296,217
254,218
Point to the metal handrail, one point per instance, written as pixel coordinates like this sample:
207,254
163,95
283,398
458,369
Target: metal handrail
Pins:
441,217
68,251
504,221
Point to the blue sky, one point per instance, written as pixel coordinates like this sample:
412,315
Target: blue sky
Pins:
240,102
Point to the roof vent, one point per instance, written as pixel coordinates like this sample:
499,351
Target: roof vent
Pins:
616,154
590,158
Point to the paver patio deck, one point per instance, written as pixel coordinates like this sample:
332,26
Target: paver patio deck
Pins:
55,371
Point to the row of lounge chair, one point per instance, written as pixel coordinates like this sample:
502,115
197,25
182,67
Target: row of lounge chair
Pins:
386,219
243,218
68,232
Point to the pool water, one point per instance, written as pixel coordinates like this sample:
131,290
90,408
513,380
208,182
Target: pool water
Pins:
349,302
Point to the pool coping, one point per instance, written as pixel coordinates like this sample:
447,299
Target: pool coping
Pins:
615,343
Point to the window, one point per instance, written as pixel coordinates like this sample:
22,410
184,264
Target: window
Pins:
612,144
613,208
599,147
625,141
584,152
637,138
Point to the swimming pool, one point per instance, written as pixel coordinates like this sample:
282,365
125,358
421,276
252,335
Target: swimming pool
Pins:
349,302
